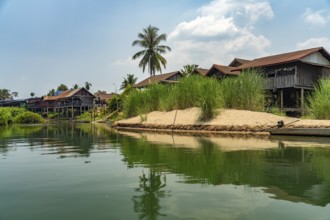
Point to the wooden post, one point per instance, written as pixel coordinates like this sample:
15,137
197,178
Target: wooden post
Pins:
281,98
302,100
72,111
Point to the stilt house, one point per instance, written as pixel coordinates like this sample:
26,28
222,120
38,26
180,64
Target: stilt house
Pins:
291,76
68,104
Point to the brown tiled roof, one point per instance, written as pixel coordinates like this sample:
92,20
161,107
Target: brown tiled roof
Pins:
227,70
283,58
65,94
155,79
238,61
201,71
104,96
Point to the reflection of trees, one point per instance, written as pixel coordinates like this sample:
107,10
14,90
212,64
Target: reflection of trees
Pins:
152,188
289,173
64,139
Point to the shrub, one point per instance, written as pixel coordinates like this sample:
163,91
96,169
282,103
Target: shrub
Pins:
28,117
5,116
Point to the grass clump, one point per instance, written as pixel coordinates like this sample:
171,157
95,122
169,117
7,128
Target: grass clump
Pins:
319,102
244,92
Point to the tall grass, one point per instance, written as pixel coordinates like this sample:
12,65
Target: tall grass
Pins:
243,92
319,101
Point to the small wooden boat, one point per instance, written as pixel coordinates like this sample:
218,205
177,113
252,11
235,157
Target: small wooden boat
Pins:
319,132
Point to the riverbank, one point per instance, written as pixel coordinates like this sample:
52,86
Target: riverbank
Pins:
228,120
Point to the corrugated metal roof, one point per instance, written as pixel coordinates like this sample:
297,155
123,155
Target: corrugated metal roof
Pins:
283,58
155,79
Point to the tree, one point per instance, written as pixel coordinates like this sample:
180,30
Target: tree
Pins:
149,40
188,69
14,94
62,87
129,80
88,85
75,86
32,94
5,94
51,92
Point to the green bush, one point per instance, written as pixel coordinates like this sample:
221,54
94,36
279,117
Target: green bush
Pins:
5,116
28,118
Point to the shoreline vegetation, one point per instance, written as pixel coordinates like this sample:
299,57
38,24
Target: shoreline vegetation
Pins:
15,115
195,103
209,94
233,104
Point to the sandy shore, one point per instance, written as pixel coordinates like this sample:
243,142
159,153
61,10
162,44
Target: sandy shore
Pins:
226,120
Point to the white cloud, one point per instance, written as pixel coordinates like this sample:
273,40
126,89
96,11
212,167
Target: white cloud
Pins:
314,42
319,18
222,30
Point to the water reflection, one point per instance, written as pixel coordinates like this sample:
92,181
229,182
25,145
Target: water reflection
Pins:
289,170
64,139
151,189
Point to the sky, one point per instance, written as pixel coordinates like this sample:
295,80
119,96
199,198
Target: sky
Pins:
44,43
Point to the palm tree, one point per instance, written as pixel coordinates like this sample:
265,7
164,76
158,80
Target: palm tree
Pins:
32,94
75,86
149,40
129,80
188,69
88,85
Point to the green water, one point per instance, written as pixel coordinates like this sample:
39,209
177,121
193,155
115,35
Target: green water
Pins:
89,172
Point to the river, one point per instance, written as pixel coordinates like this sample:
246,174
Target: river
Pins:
84,171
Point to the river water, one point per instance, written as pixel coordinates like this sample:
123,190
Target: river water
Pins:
85,171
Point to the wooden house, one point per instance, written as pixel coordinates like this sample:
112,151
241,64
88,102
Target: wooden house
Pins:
165,78
102,98
291,76
67,104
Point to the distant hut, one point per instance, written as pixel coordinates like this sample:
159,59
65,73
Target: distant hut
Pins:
102,98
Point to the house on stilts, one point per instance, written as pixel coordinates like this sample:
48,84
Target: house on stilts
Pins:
290,77
68,104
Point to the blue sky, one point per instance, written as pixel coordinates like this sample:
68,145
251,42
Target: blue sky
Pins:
44,43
